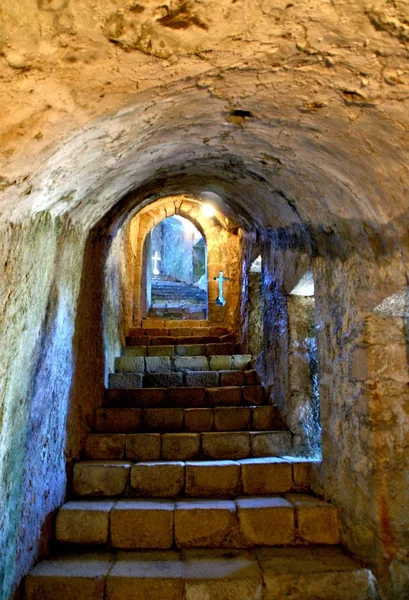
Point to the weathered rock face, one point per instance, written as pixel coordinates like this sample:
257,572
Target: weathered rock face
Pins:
294,114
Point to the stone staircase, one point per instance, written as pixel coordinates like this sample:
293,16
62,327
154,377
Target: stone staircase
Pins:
187,489
169,292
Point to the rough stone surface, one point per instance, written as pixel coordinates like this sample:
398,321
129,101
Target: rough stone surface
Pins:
180,446
226,446
142,524
224,575
266,476
125,380
319,573
266,521
146,576
85,522
232,418
220,363
158,364
212,479
274,443
161,480
205,524
105,446
201,378
143,446
198,419
162,419
100,478
70,577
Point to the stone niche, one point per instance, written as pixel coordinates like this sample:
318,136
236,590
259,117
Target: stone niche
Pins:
222,239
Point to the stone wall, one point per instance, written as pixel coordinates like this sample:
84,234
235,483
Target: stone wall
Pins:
39,289
363,370
303,405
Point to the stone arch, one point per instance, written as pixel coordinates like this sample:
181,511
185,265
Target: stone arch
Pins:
223,253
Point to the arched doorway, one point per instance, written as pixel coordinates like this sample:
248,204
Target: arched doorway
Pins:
175,270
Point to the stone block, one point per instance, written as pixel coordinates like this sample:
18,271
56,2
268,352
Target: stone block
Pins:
232,418
191,350
197,331
146,576
202,379
180,446
232,378
136,331
206,524
222,362
302,473
142,340
266,521
166,340
142,524
158,479
190,363
313,573
266,476
69,577
130,364
224,396
198,419
143,446
83,522
232,575
163,380
262,418
194,339
251,377
99,478
233,445
220,331
161,351
125,381
253,394
317,520
273,443
153,323
158,364
162,419
186,397
149,397
241,361
157,331
180,331
218,349
134,351
228,337
212,479
104,446
117,420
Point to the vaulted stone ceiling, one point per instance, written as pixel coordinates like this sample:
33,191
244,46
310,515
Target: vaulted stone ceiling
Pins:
294,113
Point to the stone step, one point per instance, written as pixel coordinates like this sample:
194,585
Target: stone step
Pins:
208,350
185,397
187,379
213,344
244,522
170,479
189,420
158,362
307,573
213,445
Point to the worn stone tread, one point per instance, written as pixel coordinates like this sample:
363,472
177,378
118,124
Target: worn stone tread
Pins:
308,573
192,397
